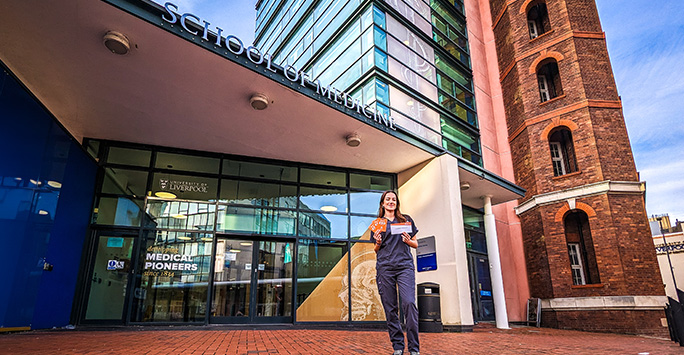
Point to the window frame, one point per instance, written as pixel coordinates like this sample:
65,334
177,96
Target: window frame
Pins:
575,250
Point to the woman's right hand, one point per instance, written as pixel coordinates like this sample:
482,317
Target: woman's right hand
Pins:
378,237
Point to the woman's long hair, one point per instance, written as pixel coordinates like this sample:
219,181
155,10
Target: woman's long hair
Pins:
397,213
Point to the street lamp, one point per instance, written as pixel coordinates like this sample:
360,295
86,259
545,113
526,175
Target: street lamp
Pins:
659,219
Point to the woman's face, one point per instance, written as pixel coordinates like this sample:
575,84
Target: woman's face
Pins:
390,202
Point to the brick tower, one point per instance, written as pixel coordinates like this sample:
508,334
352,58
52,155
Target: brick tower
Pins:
587,241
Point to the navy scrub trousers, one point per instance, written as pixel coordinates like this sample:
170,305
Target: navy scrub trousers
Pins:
404,280
396,272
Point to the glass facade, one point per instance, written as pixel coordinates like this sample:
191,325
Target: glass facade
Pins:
409,59
228,240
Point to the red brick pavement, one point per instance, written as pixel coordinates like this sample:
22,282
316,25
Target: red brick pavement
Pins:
203,340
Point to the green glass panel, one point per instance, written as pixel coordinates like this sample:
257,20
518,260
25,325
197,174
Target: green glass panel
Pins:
370,182
452,72
118,211
258,193
451,130
106,297
124,182
128,156
323,177
93,148
256,220
259,170
448,17
187,163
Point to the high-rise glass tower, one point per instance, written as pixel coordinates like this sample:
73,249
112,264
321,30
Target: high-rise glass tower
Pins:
408,59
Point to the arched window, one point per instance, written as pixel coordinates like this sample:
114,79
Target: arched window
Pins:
538,20
549,80
581,249
562,151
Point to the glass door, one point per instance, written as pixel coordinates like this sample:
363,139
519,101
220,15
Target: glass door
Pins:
252,281
480,287
274,282
109,278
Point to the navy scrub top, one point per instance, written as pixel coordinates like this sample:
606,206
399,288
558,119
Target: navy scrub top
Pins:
393,252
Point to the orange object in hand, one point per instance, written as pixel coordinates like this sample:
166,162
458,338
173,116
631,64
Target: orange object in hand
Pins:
378,225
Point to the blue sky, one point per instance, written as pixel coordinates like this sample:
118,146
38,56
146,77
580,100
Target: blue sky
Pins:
646,47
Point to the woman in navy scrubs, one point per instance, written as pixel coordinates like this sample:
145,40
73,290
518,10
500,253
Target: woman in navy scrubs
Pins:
396,271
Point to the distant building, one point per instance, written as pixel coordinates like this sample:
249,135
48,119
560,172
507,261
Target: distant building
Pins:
675,248
670,256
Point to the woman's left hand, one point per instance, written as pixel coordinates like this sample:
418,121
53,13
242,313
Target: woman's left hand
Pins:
406,238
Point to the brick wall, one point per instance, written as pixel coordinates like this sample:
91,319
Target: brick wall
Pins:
583,15
625,322
621,248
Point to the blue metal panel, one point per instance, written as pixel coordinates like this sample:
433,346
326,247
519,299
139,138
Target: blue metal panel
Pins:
46,187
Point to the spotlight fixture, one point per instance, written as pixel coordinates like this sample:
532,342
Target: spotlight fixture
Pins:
258,101
353,140
117,42
465,185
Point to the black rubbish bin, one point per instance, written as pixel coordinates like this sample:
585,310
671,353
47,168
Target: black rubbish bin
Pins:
429,311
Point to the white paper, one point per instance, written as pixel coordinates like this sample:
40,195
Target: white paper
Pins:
401,228
231,256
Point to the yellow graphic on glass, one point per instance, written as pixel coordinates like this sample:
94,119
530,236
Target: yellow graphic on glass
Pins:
329,301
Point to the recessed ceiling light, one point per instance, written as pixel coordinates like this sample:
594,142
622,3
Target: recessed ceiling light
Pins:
42,212
234,250
329,208
179,216
258,101
164,194
117,42
35,182
353,140
55,184
205,239
246,243
183,238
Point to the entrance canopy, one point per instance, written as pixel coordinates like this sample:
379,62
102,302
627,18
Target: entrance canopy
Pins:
166,91
175,89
